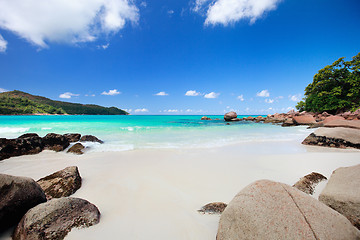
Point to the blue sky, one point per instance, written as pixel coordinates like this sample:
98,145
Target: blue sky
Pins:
174,57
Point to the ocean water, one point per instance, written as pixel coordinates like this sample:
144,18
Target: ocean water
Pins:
122,133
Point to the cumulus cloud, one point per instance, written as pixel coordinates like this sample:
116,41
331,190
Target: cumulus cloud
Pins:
141,110
192,93
68,95
295,98
161,94
105,46
263,93
41,22
230,11
268,100
128,110
171,111
212,95
170,12
240,97
3,44
3,90
111,92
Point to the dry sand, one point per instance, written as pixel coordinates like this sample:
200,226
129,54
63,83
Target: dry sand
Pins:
155,194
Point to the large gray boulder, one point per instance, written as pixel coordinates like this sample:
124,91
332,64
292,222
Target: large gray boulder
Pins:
334,137
55,219
342,193
62,183
17,196
229,116
273,211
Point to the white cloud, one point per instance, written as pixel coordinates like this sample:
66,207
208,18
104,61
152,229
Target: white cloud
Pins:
192,93
230,11
170,12
268,100
3,90
240,97
212,95
141,110
41,22
105,46
128,110
89,95
68,95
161,94
143,4
111,92
171,111
3,44
295,98
263,93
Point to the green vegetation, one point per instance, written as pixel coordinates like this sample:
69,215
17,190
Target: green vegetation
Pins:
17,102
335,88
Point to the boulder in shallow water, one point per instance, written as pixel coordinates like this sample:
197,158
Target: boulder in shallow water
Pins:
342,193
213,208
90,138
55,142
273,211
205,118
77,148
229,116
55,219
308,183
62,183
17,196
72,137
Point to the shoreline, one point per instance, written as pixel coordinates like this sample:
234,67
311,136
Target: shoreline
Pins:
148,193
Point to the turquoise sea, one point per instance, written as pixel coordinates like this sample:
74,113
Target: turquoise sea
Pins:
163,131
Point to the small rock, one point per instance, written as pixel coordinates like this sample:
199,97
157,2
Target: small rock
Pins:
90,138
17,196
76,149
213,208
62,183
308,183
55,219
288,123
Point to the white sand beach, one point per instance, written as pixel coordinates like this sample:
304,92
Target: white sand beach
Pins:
155,193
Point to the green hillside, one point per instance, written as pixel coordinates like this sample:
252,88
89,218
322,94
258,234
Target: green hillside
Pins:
17,102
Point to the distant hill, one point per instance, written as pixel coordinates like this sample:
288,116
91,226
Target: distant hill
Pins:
17,102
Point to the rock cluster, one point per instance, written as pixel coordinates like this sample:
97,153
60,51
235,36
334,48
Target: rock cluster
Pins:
23,203
31,143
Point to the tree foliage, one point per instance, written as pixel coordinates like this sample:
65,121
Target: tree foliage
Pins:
335,88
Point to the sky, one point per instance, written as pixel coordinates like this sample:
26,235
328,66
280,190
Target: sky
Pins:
174,57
